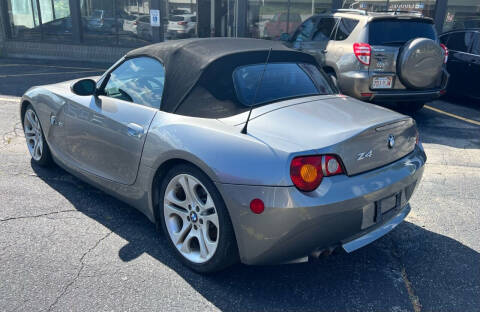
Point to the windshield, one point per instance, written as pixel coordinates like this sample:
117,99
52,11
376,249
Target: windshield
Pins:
397,32
176,18
280,81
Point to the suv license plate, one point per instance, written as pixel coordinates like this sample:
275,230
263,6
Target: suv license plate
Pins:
382,83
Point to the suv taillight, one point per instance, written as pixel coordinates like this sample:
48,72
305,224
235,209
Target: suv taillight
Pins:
307,172
362,51
445,49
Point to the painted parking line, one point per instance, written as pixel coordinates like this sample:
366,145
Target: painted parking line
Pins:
56,73
10,99
474,122
53,66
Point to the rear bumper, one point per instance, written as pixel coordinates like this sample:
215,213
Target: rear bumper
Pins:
369,236
357,84
295,224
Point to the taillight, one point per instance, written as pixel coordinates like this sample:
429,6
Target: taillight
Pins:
362,51
307,172
182,23
445,50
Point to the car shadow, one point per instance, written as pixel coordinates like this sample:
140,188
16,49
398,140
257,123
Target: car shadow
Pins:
384,276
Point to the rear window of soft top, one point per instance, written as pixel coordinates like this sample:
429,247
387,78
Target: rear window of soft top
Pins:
399,31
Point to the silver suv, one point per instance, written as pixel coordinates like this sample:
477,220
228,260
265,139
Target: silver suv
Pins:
380,57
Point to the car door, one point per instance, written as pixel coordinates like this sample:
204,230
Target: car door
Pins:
458,44
322,39
473,65
106,134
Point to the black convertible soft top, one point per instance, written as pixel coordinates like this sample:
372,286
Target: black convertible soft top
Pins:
187,61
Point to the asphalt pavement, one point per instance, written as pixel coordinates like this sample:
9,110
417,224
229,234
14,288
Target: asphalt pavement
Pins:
66,246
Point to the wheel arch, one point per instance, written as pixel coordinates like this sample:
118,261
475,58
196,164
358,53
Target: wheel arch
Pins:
160,174
23,108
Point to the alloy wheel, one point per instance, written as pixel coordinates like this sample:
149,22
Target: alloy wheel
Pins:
33,134
191,218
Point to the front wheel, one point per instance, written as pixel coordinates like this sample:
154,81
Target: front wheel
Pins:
196,221
37,146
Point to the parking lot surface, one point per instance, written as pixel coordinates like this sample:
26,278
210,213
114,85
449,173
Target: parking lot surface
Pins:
66,246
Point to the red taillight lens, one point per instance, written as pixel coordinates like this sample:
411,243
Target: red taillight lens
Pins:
445,50
362,51
182,23
257,206
307,172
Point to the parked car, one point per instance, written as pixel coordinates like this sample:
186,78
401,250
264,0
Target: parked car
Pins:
182,26
139,26
239,149
281,23
181,11
376,56
106,22
463,61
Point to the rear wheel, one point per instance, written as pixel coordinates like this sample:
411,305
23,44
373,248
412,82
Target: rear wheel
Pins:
195,220
37,146
410,107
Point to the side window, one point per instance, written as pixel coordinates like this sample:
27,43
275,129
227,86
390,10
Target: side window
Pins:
458,42
304,32
345,28
193,19
139,80
324,29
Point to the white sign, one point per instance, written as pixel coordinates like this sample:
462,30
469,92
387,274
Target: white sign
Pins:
155,18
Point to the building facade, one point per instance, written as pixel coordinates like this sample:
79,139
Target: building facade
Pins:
105,29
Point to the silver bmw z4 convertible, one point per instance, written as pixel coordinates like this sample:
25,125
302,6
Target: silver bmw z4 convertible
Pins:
239,149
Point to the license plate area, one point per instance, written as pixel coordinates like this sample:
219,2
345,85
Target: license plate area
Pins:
382,82
386,205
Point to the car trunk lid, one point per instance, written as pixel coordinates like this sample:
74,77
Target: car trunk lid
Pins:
358,132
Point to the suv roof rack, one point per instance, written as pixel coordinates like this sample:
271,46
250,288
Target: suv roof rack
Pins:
361,12
395,12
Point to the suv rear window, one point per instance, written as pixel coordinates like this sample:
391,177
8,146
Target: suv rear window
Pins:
397,31
280,81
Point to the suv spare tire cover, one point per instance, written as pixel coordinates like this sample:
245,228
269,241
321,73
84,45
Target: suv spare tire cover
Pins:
420,63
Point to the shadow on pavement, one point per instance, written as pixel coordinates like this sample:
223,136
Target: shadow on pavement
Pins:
437,128
444,273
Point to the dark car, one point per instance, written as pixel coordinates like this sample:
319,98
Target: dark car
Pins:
463,61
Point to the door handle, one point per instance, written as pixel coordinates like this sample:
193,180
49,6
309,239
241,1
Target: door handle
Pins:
134,130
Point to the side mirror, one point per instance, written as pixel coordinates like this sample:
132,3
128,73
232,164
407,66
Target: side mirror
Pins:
84,87
284,37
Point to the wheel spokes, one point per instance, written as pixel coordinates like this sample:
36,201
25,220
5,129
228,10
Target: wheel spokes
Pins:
196,234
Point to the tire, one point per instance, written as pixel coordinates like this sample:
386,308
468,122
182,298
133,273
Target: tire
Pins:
420,63
410,107
190,220
333,77
35,138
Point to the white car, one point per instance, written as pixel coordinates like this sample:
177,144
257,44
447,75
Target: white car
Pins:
182,26
139,26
